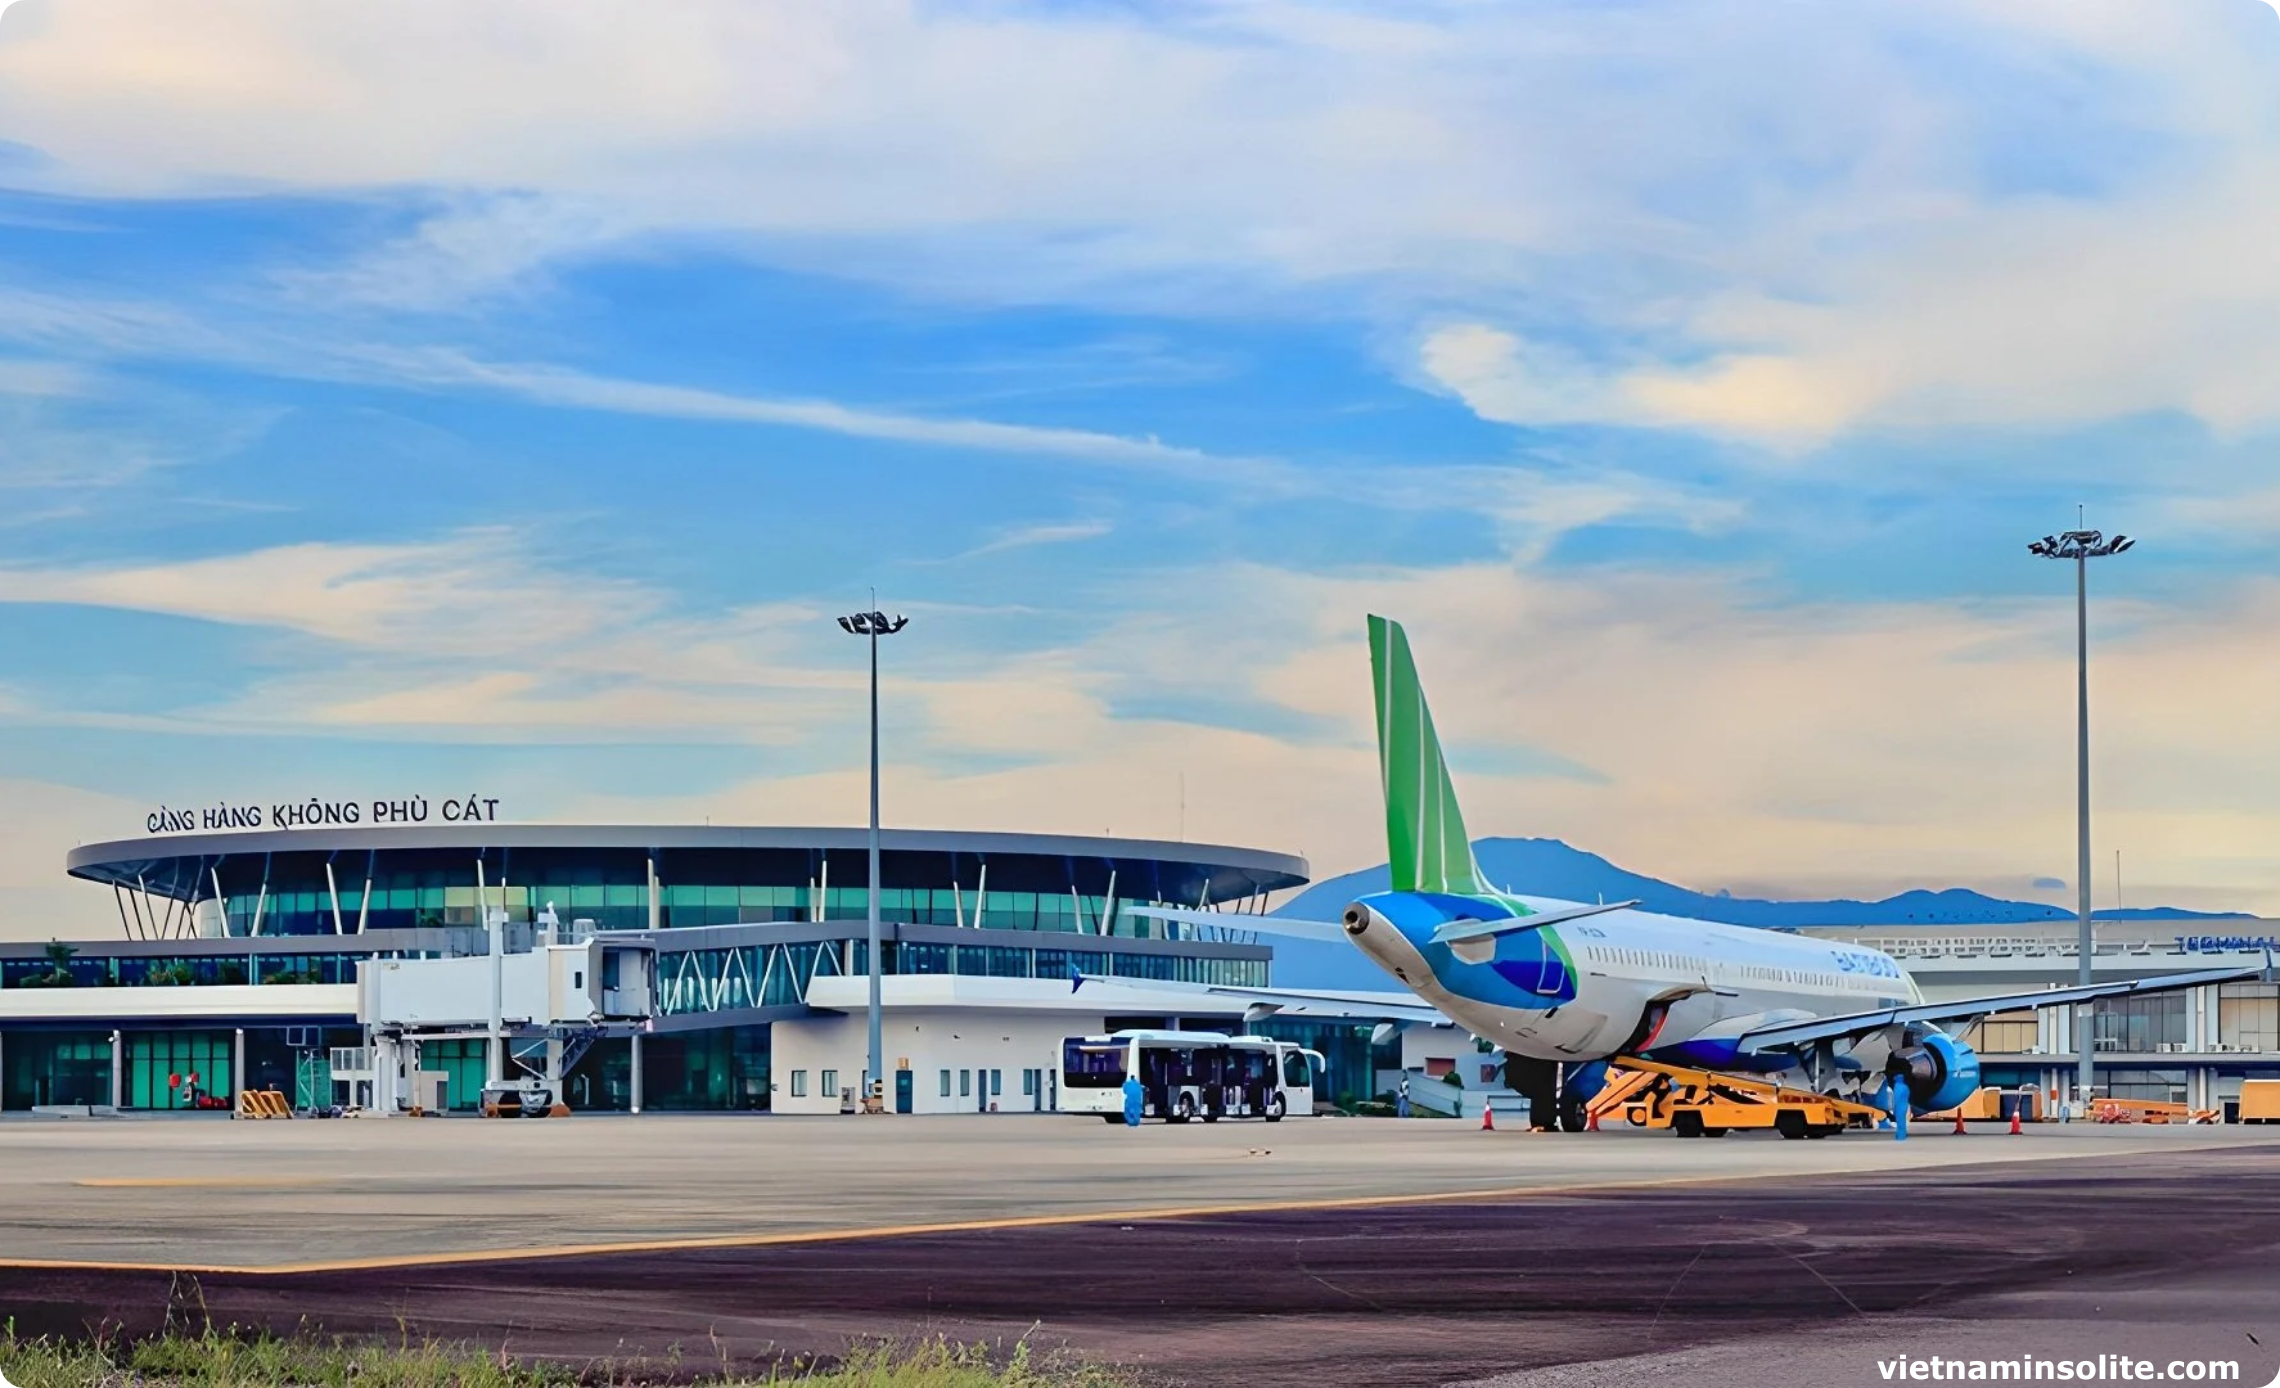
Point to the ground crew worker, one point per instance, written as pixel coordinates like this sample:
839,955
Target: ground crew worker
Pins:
1133,1101
1401,1098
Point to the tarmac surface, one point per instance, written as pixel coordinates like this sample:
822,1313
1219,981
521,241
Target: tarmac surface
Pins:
1321,1252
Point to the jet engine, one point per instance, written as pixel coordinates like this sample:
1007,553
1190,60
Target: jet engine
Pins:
1938,1070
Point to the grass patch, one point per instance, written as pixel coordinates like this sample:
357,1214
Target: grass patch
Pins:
216,1360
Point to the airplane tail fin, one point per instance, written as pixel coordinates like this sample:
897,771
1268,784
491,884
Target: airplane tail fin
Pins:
1424,829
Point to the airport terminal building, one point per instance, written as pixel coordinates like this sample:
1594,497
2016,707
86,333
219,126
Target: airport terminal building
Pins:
238,958
2194,1046
239,953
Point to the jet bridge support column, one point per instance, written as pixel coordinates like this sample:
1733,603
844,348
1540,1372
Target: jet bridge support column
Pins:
635,1070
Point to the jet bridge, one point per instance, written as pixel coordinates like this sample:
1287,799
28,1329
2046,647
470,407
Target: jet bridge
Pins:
539,1008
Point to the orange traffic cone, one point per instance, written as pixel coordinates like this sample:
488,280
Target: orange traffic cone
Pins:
2015,1128
1959,1132
1488,1118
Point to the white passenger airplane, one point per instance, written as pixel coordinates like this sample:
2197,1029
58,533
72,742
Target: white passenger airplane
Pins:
1563,984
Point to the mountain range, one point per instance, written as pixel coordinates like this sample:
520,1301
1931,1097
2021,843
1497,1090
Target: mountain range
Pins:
1548,867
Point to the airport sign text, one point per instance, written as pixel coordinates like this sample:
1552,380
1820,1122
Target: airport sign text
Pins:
317,812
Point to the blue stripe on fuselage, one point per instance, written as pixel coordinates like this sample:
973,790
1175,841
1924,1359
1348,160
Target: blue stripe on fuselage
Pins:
1527,969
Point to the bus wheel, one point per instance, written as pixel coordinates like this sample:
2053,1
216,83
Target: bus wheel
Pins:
1275,1108
1112,1118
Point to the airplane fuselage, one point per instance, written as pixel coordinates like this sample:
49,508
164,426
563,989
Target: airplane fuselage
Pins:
1626,982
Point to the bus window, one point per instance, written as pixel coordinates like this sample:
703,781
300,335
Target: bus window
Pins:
1092,1067
1294,1070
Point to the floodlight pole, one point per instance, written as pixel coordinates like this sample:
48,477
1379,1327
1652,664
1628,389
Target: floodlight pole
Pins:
876,1062
873,625
2086,938
2082,546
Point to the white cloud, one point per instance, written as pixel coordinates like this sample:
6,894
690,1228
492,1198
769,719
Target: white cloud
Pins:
467,596
1830,749
1770,223
1828,745
1030,536
127,329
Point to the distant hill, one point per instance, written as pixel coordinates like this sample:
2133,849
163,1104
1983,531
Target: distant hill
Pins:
1548,867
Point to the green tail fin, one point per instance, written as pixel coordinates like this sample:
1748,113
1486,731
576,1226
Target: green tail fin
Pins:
1424,830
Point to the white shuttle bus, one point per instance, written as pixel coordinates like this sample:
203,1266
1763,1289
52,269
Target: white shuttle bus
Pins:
1188,1074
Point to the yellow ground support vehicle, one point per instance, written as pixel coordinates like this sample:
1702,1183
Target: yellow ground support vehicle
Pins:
2260,1101
1704,1103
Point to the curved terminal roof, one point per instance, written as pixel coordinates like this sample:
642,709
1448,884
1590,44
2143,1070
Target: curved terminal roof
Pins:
185,866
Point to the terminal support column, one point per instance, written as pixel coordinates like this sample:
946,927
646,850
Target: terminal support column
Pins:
237,1064
118,1069
635,1069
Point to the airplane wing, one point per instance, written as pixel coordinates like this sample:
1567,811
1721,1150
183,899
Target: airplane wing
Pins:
1782,1034
1268,1001
1452,933
1231,920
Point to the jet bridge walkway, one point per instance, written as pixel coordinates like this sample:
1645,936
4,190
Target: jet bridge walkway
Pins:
1707,1103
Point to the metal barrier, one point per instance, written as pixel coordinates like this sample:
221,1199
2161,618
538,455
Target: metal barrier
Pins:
262,1103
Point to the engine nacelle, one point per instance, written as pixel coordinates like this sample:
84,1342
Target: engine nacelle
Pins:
1939,1071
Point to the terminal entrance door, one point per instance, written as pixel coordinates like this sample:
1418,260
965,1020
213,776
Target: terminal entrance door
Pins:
902,1091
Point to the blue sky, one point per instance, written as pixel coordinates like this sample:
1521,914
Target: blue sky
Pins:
392,401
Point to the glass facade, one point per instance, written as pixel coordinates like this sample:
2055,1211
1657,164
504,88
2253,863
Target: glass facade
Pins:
160,1066
2139,1023
619,900
602,1080
403,900
2248,1016
55,1067
725,1069
290,893
464,1066
719,980
89,969
2162,1086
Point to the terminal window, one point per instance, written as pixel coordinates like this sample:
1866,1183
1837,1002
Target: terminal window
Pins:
2005,1033
2248,1016
2139,1024
799,1084
997,1083
830,1083
965,1084
945,1084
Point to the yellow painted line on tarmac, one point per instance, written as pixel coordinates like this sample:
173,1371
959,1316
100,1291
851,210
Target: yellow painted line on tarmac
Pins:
887,1231
203,1182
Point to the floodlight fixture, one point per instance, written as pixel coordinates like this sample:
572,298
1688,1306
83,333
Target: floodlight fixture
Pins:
873,624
